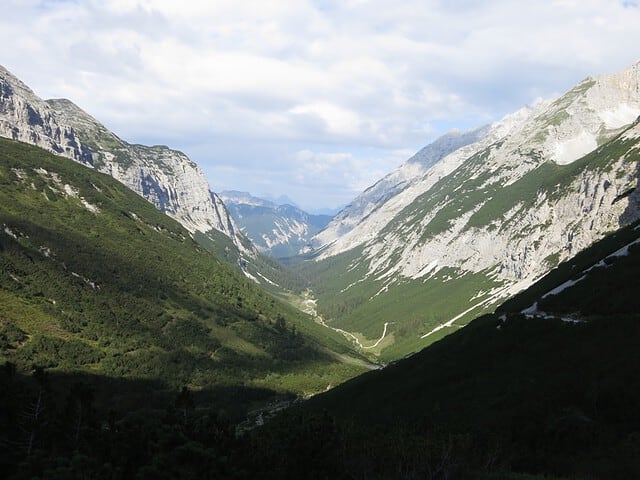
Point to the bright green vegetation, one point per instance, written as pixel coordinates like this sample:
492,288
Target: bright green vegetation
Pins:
414,308
94,279
361,305
411,307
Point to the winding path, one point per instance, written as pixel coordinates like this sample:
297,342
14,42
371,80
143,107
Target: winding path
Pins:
311,310
352,336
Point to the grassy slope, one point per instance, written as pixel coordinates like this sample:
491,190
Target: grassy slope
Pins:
501,399
126,291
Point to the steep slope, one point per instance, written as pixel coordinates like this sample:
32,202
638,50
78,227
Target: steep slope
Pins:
276,230
487,219
368,204
166,178
551,393
94,279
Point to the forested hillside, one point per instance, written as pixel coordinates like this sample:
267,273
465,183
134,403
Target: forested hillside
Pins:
94,279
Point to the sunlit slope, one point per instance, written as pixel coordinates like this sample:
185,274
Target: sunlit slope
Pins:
500,218
94,278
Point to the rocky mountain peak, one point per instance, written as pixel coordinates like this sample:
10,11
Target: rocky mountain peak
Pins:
165,177
490,215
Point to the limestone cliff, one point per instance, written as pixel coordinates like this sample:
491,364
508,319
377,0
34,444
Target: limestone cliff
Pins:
165,177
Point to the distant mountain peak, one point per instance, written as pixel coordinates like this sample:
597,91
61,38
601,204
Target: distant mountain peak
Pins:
245,198
279,230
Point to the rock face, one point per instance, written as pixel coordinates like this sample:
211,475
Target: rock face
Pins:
276,230
376,197
166,178
26,118
502,204
371,211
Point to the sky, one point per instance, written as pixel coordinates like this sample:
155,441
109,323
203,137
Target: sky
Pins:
312,99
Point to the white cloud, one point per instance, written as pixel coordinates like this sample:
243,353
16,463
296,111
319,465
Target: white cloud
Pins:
241,85
337,120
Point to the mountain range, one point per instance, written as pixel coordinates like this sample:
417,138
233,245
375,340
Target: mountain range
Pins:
131,347
477,216
167,178
465,223
276,229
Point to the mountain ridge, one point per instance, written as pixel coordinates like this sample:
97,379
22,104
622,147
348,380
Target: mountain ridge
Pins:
487,219
166,178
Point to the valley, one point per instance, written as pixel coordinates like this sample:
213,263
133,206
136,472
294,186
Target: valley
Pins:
279,231
95,279
473,314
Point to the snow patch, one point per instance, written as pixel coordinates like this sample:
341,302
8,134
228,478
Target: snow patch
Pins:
384,289
70,191
92,208
532,312
620,116
44,173
73,192
250,277
19,173
451,322
10,232
570,150
563,286
427,269
624,251
267,280
353,284
91,283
